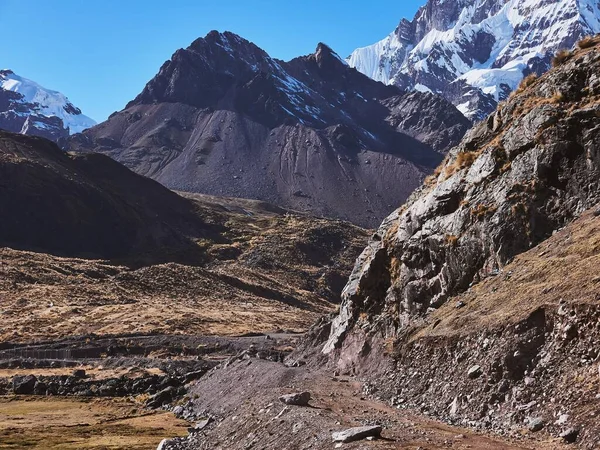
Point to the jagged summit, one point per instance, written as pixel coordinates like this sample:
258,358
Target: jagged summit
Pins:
222,117
475,52
28,108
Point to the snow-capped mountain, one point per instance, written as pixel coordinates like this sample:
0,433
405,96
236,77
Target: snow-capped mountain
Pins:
28,108
475,52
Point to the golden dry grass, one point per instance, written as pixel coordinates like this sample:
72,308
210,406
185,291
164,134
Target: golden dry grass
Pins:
462,161
91,424
561,57
588,42
563,267
275,271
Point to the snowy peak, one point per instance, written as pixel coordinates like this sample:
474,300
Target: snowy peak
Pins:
21,98
475,52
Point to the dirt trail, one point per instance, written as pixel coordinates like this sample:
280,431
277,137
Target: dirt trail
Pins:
243,399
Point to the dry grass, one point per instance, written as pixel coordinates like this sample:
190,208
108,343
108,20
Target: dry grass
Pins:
527,81
276,271
60,424
558,268
558,97
588,42
451,240
481,211
561,57
462,161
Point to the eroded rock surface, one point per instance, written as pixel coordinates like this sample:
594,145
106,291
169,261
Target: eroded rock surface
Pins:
528,170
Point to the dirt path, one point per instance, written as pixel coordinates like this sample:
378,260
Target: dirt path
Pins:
243,398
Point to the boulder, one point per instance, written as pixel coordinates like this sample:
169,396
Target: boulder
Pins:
296,399
357,433
162,397
536,424
474,372
570,435
24,385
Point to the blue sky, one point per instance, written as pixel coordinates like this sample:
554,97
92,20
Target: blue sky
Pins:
101,53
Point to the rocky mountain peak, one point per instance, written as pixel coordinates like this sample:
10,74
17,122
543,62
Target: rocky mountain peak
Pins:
222,117
475,52
324,55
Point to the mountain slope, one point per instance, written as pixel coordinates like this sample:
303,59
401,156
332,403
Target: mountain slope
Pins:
441,287
223,118
86,205
475,52
171,264
28,108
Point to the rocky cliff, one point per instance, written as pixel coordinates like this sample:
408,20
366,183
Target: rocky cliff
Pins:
224,118
529,170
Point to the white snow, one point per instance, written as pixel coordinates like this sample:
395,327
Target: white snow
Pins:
520,29
421,88
50,103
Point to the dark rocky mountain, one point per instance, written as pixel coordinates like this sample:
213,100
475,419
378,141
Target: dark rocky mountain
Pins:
86,205
475,52
28,108
447,278
223,118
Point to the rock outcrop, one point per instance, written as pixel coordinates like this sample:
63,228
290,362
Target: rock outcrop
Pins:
528,170
485,280
224,118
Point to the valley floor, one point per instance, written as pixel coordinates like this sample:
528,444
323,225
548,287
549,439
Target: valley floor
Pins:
53,423
241,395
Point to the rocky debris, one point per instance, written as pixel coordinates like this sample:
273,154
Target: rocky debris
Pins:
570,435
200,425
296,399
536,424
356,434
163,397
310,134
24,384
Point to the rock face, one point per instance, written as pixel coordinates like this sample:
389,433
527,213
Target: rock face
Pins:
507,228
475,52
312,134
28,108
531,168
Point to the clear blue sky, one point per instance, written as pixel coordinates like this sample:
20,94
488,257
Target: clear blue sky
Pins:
101,53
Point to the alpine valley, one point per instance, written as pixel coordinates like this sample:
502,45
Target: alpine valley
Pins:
400,250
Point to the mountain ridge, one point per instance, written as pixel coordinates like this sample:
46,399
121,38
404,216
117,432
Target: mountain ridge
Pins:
475,52
223,118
